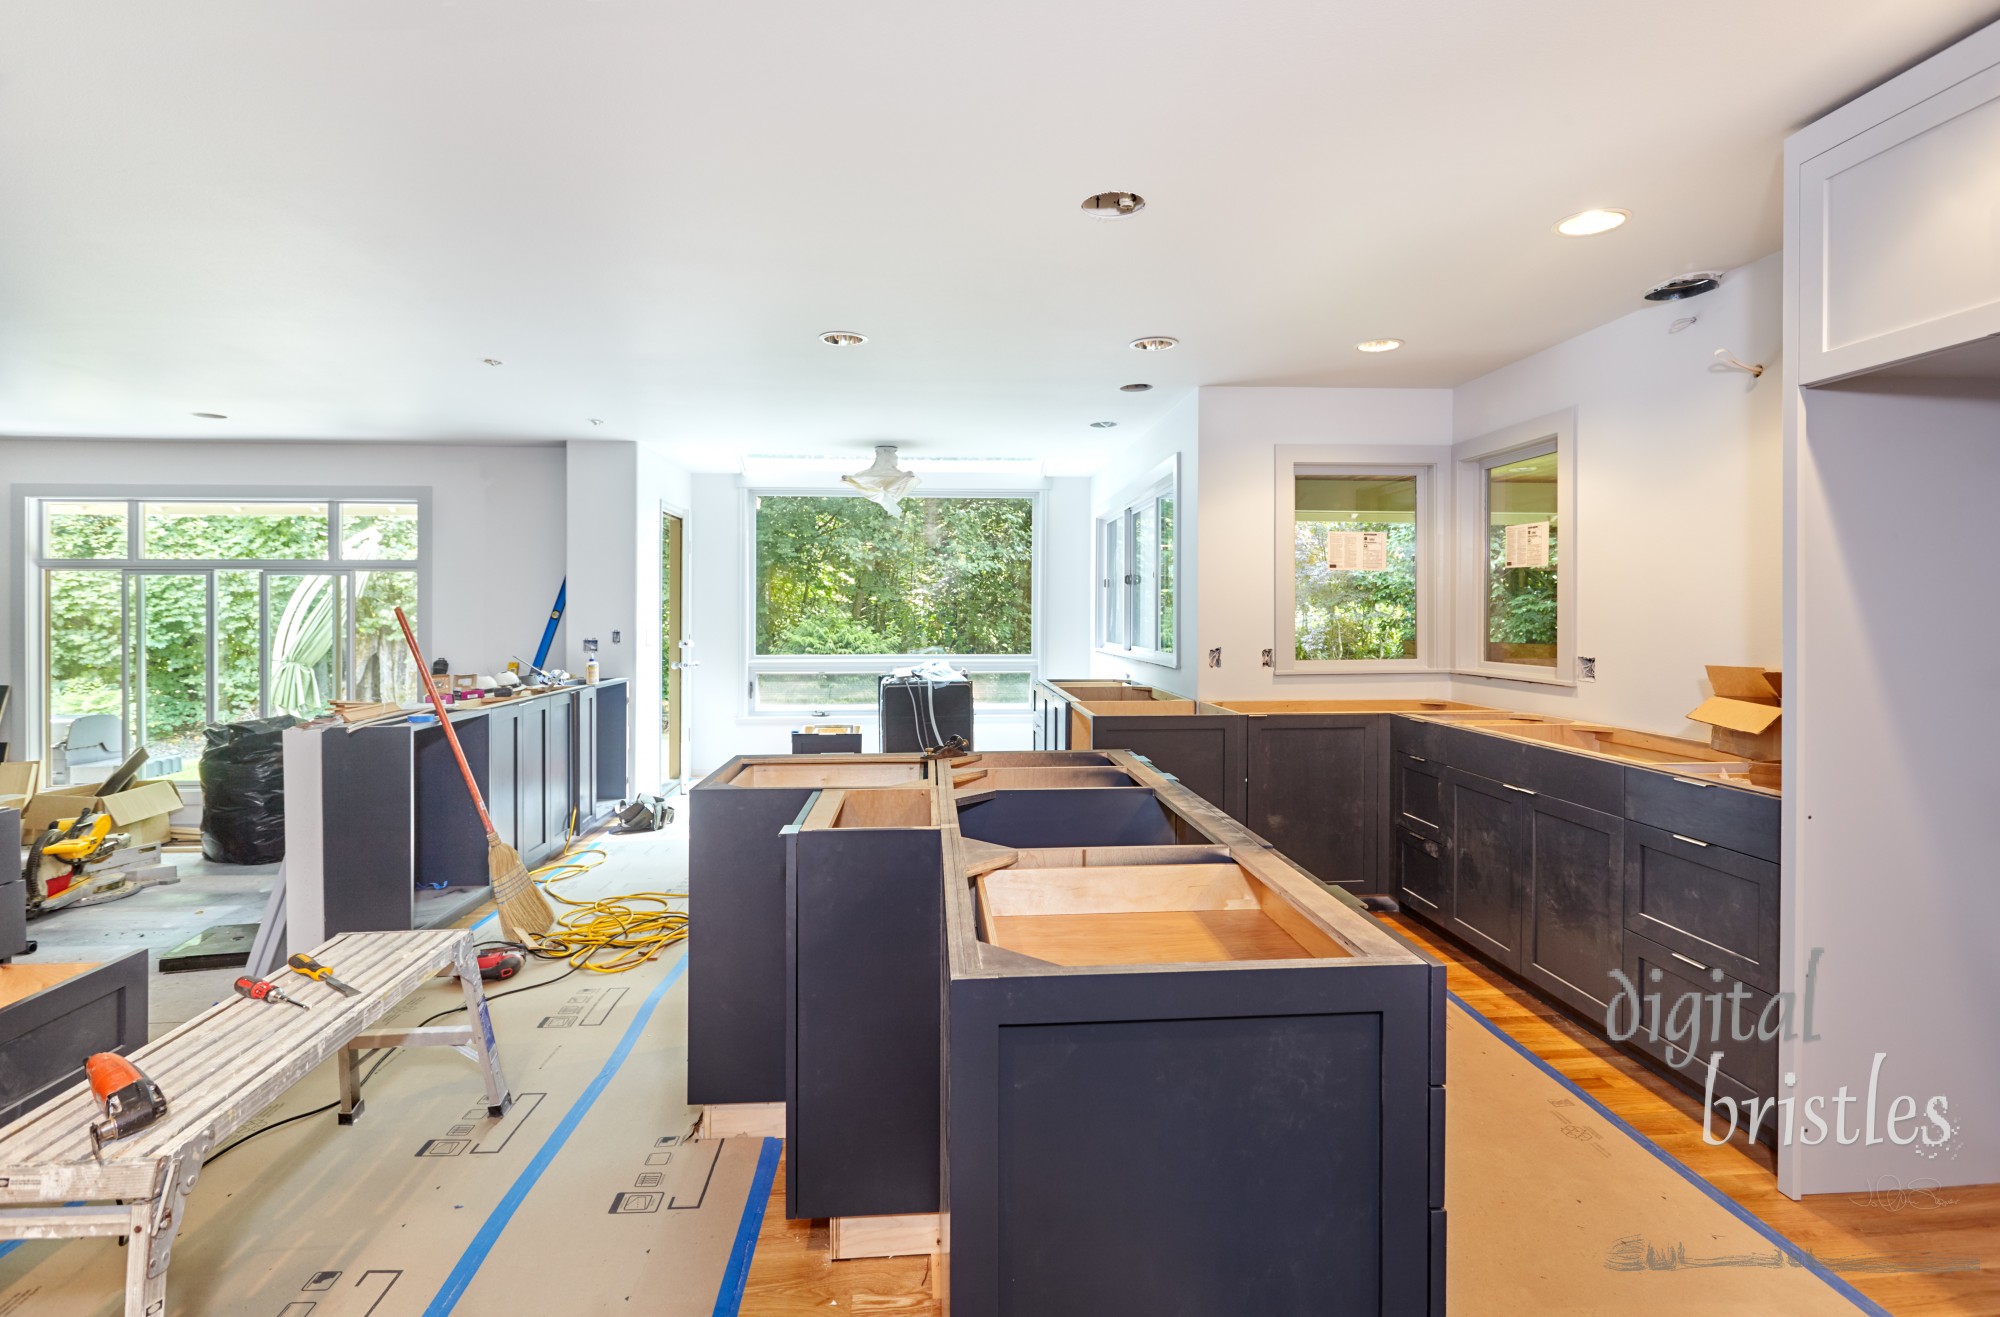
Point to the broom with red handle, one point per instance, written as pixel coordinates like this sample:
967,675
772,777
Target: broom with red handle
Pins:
524,911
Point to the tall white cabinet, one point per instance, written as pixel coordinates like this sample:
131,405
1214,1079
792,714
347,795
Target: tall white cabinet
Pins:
1892,636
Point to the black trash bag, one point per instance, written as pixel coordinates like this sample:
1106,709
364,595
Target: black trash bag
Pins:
243,791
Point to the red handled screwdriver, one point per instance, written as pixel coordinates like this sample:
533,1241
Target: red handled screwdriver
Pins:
265,990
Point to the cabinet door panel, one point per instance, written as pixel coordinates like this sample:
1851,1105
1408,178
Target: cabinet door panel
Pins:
1317,794
557,788
503,786
1896,226
1575,926
1488,864
1418,794
1420,874
532,762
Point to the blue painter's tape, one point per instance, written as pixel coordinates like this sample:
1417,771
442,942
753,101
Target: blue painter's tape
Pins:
456,1283
490,917
1734,1208
736,1276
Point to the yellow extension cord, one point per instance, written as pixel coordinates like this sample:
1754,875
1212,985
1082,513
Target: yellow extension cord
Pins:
634,927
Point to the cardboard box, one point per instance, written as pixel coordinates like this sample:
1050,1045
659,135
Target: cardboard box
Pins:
18,780
141,811
1745,713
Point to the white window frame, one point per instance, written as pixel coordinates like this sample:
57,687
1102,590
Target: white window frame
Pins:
1426,464
757,664
1474,458
1117,593
30,506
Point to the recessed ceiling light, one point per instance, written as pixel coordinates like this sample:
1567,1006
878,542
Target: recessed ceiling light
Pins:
1379,344
594,420
1134,388
491,361
1104,425
1157,344
840,338
1113,205
1688,285
1590,223
210,416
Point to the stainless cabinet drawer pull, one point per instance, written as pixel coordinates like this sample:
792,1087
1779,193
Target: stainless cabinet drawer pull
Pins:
1426,822
1689,840
1687,961
1692,781
1416,758
1523,790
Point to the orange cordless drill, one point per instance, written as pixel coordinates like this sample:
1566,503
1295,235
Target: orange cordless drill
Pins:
130,1100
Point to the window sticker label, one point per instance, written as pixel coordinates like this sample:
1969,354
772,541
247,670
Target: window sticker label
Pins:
1528,544
1357,550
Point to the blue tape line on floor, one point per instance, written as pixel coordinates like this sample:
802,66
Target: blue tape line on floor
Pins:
1735,1209
455,1284
736,1276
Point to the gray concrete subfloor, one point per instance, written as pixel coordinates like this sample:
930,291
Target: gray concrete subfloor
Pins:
157,920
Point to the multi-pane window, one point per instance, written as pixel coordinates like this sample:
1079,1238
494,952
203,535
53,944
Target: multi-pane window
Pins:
161,616
1137,577
845,593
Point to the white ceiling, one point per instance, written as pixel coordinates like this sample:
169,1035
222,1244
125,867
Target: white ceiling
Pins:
318,216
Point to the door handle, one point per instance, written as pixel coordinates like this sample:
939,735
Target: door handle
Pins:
1688,960
1523,790
1689,840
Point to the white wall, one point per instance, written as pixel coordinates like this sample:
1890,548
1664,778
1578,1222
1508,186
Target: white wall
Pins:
497,526
1240,428
1065,584
1894,661
1178,434
616,490
1678,499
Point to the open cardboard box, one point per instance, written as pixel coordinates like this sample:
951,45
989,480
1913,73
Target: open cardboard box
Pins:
1744,714
142,811
18,780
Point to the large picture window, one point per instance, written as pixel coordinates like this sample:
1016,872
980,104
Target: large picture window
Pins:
845,593
1359,560
161,616
1138,580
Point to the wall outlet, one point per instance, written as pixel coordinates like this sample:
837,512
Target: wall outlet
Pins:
1267,659
1586,668
1215,657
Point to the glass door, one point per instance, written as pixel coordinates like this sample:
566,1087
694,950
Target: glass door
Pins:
172,653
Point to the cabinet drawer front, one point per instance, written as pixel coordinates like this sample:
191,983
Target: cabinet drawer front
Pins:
1420,873
1896,226
1714,906
1582,780
1745,821
1747,1069
1419,796
1407,736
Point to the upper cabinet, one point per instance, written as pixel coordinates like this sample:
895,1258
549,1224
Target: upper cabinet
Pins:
1895,217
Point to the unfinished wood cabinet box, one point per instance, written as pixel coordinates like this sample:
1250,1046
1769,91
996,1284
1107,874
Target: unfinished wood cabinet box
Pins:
736,879
1199,744
1185,1074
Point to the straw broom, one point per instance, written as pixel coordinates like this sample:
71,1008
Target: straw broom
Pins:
524,911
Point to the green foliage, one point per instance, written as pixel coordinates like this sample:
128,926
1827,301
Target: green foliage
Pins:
1521,602
1355,615
841,576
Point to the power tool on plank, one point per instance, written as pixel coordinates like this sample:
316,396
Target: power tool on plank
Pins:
130,1101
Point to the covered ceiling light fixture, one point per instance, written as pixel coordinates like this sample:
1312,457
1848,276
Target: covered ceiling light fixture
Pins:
884,482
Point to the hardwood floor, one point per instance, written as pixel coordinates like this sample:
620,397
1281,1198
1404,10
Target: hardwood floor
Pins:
793,1272
1922,1253
1926,1253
